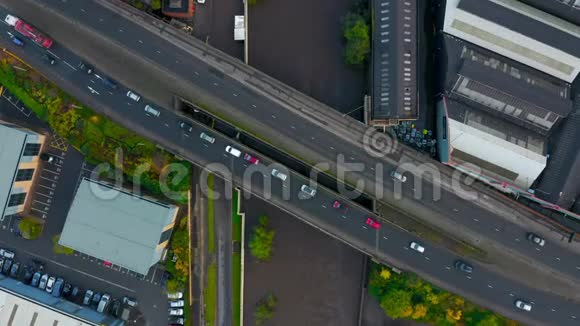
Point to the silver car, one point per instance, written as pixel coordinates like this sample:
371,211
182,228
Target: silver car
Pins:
308,190
279,175
134,96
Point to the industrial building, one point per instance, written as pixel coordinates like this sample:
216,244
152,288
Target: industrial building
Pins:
19,159
116,226
21,304
499,113
518,31
394,62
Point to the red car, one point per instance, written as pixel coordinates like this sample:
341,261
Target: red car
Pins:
336,204
251,159
107,263
373,223
33,34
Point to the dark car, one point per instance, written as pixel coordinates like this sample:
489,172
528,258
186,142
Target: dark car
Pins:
14,270
17,41
57,288
109,83
75,292
96,299
49,59
37,264
88,69
116,308
35,279
88,297
463,266
7,266
166,276
27,275
47,157
66,289
185,126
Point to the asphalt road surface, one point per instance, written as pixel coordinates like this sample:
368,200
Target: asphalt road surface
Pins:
388,243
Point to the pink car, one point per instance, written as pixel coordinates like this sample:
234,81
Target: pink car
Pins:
251,159
373,223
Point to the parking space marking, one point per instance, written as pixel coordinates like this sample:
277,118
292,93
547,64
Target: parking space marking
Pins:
39,193
47,170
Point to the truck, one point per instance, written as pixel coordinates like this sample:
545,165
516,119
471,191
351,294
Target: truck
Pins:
29,31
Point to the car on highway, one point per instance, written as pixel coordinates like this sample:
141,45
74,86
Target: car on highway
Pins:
185,126
372,223
88,69
35,279
307,190
279,175
175,295
87,298
417,247
50,284
251,159
43,280
17,41
233,151
523,305
109,83
463,266
398,176
6,253
134,96
11,20
49,59
207,138
536,239
32,33
152,110
175,312
176,303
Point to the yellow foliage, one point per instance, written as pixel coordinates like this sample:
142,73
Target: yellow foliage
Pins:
419,312
459,302
407,312
454,315
433,298
385,274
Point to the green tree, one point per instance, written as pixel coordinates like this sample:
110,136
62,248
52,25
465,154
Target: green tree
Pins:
155,4
397,304
30,227
59,249
261,240
265,309
356,31
173,285
489,320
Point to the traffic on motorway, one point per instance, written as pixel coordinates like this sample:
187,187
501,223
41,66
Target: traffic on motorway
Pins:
466,214
315,205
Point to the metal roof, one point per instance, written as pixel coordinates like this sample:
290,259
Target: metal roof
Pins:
565,9
12,142
394,60
116,226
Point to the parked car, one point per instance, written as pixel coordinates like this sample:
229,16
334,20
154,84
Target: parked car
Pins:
75,292
175,312
166,276
57,290
251,159
104,302
35,279
14,269
279,175
47,157
50,284
523,305
417,247
398,176
37,264
134,96
207,138
463,266
185,126
130,301
175,295
6,253
27,275
43,280
96,299
116,308
536,239
6,267
88,297
88,69
233,151
1,263
176,303
66,290
177,320
311,192
373,223
49,59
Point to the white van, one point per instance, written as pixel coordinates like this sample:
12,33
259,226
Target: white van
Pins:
233,151
152,110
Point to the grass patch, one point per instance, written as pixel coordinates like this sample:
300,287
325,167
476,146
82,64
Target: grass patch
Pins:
236,219
210,215
210,295
237,287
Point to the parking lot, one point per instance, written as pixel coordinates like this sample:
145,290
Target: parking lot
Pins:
51,197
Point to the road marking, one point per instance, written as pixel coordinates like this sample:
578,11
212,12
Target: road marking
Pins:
405,248
196,73
511,294
47,170
38,210
68,64
254,105
427,258
215,84
101,20
53,54
372,168
40,202
236,95
538,249
158,51
489,286
39,193
83,10
46,178
292,127
468,277
120,30
383,237
573,317
364,227
331,147
553,309
352,158
166,125
517,239
496,230
323,206
476,220
558,258
46,187
140,41
577,267
273,116
449,268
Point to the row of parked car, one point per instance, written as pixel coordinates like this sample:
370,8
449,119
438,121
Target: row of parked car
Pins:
176,304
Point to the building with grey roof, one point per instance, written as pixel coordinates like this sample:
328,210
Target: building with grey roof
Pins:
21,304
113,225
19,152
566,9
394,62
519,32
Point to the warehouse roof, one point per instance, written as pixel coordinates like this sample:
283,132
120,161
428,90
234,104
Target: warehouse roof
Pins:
116,226
11,143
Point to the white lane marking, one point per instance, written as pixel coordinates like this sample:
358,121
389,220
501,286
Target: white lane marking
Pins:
383,237
215,84
273,116
427,258
364,227
517,239
120,30
496,230
235,95
38,210
43,203
166,125
538,249
558,258
331,147
159,52
577,267
47,170
101,20
352,158
140,41
489,286
372,168
254,105
43,186
323,206
468,277
196,73
553,309
511,294
68,64
53,54
292,127
405,248
449,268
39,193
476,220
573,317
83,10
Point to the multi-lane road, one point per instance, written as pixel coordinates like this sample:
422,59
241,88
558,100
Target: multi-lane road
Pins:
388,243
